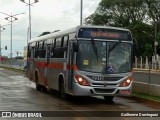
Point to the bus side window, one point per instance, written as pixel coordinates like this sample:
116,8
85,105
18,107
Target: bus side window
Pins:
57,48
43,51
36,50
52,51
40,49
53,46
58,42
65,44
65,41
49,41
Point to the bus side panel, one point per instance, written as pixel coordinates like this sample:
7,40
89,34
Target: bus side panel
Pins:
55,68
30,69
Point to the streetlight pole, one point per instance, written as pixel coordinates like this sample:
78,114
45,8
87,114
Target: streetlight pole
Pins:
28,34
11,18
29,4
81,12
155,40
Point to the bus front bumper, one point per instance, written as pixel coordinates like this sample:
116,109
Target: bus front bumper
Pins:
79,90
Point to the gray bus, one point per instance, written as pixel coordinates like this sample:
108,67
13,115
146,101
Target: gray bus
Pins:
83,61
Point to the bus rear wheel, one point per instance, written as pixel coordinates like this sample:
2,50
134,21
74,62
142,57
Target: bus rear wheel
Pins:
38,86
109,99
41,88
62,90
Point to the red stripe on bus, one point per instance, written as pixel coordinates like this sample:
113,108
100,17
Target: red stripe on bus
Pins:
56,65
40,65
73,67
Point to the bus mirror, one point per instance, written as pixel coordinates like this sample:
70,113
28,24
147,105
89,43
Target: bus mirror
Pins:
75,47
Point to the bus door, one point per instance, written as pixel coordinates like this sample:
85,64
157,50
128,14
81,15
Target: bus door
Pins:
47,61
30,64
70,58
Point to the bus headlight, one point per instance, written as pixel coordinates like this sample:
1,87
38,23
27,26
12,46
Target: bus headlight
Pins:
126,83
80,80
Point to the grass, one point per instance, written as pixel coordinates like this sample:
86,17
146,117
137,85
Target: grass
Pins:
12,69
145,96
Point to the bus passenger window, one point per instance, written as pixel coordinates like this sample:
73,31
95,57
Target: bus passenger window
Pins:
58,42
65,41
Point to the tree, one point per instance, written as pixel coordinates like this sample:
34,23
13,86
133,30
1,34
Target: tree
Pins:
44,33
47,32
140,16
118,12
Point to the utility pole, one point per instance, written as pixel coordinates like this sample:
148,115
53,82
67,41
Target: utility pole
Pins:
11,18
29,4
155,39
81,12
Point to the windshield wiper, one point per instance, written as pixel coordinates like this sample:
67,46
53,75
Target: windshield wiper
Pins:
94,48
113,47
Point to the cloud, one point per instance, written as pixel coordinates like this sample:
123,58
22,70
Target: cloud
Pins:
46,15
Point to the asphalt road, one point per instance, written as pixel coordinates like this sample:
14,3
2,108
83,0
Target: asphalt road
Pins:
17,93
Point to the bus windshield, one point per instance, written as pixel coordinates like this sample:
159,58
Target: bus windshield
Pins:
104,57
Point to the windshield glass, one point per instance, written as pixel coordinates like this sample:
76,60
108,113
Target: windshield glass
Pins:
106,57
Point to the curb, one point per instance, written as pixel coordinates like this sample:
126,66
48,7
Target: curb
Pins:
146,71
153,103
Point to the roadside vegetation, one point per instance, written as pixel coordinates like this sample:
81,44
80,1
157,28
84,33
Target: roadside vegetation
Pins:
12,69
141,17
145,96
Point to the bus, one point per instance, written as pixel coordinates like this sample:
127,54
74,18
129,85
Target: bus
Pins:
83,61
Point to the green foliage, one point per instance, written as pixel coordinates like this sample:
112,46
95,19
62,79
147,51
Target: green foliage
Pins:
148,50
140,16
44,33
146,96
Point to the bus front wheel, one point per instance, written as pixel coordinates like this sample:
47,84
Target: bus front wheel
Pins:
62,90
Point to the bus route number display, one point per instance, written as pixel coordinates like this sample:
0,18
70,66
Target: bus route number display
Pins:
105,34
102,33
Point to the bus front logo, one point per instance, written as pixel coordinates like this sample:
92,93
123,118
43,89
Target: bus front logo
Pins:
105,84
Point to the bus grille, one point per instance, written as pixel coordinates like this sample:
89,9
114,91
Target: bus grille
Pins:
112,78
102,84
100,78
98,90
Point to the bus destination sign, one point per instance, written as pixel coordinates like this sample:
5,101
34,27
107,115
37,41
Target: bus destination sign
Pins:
103,33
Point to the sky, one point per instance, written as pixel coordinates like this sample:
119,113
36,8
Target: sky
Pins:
46,15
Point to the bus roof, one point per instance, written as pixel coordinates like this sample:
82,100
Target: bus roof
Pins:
72,30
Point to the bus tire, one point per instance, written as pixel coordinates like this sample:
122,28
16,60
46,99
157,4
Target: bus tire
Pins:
109,99
38,86
61,89
43,88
